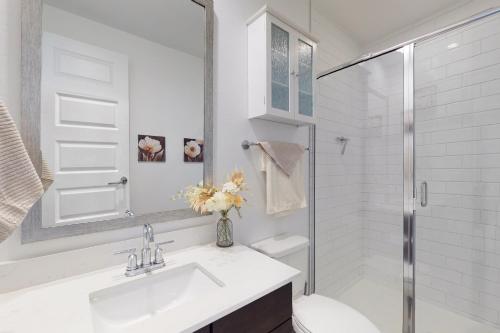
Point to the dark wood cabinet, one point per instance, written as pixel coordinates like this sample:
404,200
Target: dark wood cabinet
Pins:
269,314
286,327
204,330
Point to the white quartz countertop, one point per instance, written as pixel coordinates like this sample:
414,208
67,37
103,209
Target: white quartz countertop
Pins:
63,306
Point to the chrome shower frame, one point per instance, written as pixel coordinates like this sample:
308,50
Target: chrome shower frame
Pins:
415,41
409,193
409,188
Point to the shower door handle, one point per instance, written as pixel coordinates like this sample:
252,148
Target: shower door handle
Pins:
424,199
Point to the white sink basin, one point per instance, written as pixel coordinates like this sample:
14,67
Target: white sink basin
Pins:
119,307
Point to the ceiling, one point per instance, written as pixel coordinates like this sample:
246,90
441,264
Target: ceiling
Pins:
178,24
368,21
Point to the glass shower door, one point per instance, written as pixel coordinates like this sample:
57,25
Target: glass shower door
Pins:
359,189
457,165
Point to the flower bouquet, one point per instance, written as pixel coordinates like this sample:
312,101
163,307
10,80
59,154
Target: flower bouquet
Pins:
208,198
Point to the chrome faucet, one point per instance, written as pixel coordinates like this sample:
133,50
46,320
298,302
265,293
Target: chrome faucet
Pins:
146,264
147,237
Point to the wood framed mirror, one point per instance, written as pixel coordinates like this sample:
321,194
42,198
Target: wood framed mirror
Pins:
117,98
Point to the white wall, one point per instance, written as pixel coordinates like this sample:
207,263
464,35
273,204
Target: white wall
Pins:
231,123
166,99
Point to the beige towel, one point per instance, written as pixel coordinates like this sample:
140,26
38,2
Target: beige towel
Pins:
47,176
283,193
284,154
20,185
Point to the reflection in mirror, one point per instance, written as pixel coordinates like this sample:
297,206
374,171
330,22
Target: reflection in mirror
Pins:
122,106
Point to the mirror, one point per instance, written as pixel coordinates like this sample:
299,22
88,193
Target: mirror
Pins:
125,115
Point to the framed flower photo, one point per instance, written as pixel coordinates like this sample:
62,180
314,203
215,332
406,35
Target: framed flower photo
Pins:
193,150
151,148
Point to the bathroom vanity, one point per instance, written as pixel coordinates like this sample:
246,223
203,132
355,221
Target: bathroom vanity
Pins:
201,289
270,313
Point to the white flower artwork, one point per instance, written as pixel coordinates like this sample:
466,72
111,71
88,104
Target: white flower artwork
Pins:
151,148
193,150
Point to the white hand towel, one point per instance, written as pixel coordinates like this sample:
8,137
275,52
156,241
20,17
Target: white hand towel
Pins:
283,193
20,185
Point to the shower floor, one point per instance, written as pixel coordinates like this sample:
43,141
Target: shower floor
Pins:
383,304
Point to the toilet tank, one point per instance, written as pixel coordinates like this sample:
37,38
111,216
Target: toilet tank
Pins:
292,250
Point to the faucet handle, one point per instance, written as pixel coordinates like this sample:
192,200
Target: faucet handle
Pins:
129,251
132,258
164,243
159,252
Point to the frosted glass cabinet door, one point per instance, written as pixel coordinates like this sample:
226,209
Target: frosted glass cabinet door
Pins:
305,78
281,61
280,68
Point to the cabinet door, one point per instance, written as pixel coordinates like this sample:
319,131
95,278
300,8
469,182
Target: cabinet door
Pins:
205,329
264,315
280,63
305,80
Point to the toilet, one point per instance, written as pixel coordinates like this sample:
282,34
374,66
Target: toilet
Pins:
314,313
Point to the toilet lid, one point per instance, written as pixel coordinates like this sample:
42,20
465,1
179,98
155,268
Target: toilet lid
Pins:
319,314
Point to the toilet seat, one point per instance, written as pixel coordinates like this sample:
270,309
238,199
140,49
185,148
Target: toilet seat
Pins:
319,314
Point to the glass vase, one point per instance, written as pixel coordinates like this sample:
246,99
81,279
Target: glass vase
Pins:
224,232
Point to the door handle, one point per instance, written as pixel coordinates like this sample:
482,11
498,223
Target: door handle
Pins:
424,194
123,181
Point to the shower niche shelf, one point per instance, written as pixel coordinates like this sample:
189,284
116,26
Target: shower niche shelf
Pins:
281,62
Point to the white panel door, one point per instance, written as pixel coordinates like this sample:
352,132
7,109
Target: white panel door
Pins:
85,131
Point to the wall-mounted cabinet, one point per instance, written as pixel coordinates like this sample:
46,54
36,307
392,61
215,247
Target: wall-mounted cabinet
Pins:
281,63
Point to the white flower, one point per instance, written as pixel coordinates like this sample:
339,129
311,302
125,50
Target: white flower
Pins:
192,149
150,146
221,202
210,205
230,187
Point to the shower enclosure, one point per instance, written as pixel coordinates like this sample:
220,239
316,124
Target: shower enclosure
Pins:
407,217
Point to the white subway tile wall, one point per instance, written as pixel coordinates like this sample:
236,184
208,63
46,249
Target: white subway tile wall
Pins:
383,170
339,183
457,114
360,194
